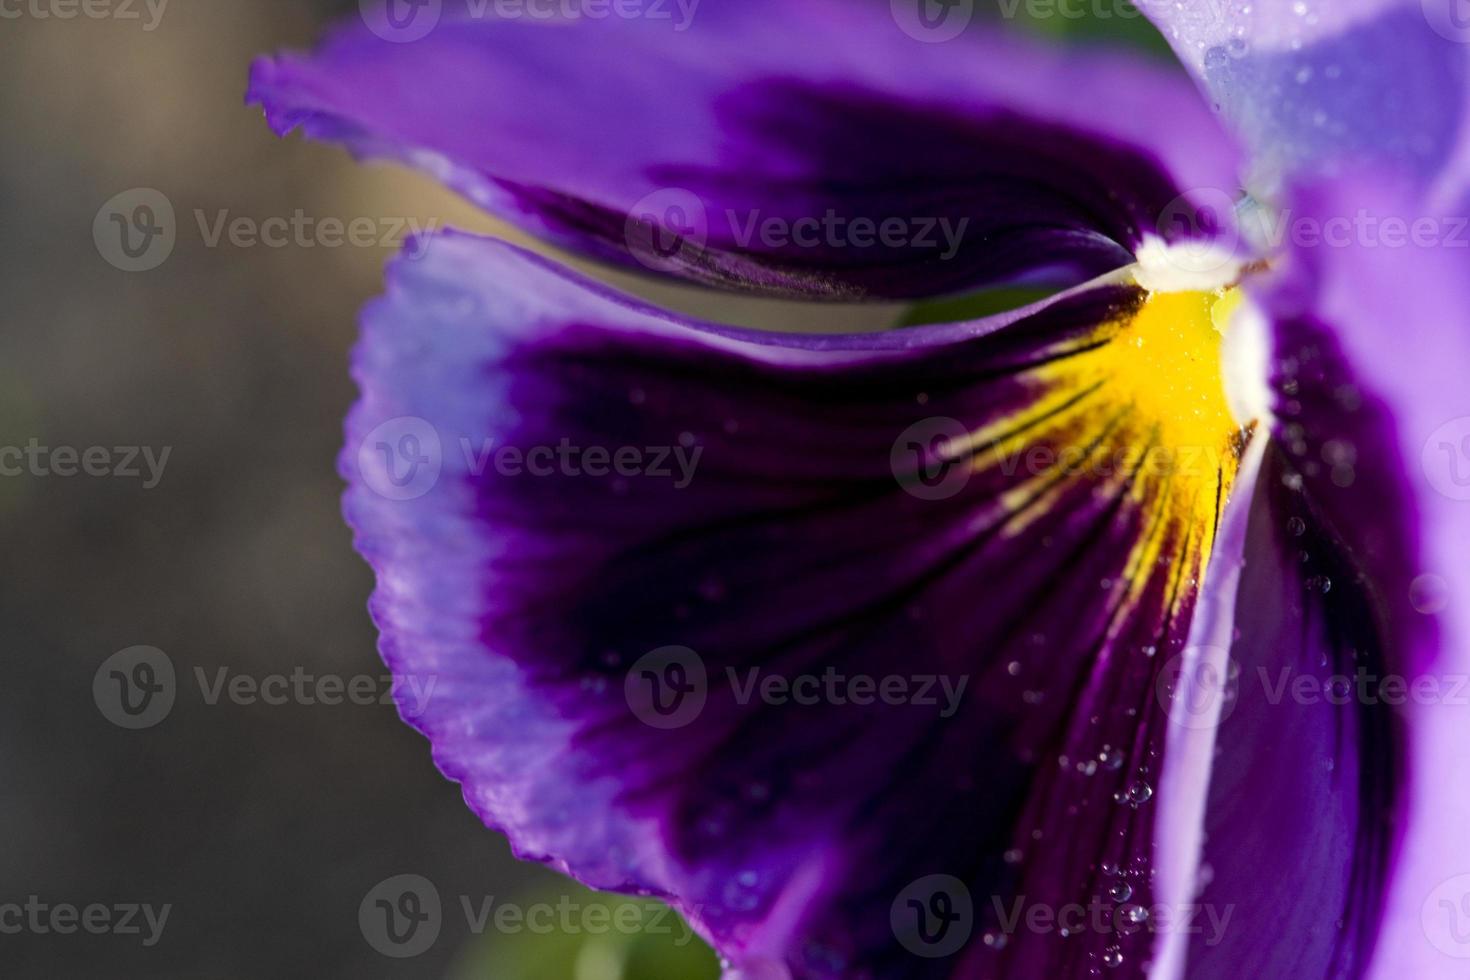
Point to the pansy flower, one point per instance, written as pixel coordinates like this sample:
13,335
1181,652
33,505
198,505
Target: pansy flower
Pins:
1112,634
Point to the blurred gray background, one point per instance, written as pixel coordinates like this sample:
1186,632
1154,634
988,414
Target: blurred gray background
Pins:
262,827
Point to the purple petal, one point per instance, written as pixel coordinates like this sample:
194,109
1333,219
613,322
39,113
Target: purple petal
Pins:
818,530
1303,774
1374,414
1324,87
807,147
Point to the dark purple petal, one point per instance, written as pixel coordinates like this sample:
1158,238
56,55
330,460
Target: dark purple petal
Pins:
1372,409
807,147
1305,766
1323,87
880,507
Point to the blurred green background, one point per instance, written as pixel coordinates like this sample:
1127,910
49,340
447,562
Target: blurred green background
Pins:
263,827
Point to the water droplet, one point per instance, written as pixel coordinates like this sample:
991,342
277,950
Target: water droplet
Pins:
1120,891
1137,792
1136,914
1112,957
740,895
1013,856
1296,526
1429,594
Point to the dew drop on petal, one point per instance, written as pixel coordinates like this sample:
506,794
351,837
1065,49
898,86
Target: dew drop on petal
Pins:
1429,594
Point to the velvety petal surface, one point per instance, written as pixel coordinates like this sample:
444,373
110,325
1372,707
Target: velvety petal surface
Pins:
999,521
1372,412
1325,87
1305,768
815,147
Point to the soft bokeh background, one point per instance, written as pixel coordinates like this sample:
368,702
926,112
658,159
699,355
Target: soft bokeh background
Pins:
263,827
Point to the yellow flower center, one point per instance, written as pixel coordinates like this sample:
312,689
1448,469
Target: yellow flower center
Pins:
1136,411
